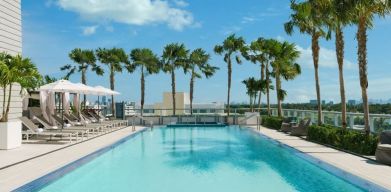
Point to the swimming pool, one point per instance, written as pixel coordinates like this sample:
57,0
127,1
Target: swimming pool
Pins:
194,159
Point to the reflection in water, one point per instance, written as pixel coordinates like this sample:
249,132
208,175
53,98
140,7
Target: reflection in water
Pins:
245,151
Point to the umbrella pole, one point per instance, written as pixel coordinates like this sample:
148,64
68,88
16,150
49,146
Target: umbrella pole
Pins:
98,105
62,110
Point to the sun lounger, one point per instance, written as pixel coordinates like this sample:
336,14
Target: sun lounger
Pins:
301,129
287,125
35,130
42,121
383,150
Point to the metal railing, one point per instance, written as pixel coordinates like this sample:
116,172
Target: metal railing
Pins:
378,122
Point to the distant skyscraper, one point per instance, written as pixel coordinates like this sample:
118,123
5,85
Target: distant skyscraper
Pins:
104,102
352,102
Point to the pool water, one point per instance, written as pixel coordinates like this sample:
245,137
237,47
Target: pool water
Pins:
199,159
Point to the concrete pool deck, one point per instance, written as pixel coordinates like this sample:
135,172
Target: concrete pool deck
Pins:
366,169
50,157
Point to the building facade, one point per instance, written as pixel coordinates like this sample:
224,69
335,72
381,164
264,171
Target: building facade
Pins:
11,42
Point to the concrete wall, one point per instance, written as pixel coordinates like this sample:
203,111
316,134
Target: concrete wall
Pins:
11,42
10,26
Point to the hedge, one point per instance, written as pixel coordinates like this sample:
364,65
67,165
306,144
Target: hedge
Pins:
272,122
349,140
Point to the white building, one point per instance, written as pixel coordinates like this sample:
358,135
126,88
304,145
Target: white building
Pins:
11,42
182,101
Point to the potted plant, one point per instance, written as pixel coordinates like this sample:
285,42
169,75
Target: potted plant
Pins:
14,70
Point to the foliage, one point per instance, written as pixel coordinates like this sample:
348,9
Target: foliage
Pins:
350,140
232,46
16,69
272,122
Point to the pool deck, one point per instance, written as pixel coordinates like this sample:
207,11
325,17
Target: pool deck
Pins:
355,165
39,159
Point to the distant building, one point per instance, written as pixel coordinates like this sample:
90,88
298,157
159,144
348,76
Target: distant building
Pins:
315,102
182,101
352,102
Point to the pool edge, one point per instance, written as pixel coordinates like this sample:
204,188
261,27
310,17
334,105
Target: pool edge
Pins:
338,172
48,178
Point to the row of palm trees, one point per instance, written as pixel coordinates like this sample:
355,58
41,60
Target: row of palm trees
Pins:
175,56
323,18
277,59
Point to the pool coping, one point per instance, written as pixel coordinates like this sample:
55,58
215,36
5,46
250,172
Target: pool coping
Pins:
338,172
45,180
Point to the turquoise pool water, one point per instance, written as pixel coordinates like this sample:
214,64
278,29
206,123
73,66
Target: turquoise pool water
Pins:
191,159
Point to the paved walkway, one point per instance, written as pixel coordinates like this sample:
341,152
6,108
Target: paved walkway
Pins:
23,173
364,168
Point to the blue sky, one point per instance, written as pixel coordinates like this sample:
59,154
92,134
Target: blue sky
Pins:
52,28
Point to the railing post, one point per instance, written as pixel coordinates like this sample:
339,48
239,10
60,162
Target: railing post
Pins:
336,119
372,124
351,121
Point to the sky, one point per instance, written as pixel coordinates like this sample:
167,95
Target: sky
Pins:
52,28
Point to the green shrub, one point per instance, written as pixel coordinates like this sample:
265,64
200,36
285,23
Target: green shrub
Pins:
350,140
272,122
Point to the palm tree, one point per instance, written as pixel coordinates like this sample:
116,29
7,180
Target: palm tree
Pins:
231,47
198,65
308,19
363,13
84,60
269,43
148,63
284,66
337,18
16,69
256,52
174,56
252,86
114,58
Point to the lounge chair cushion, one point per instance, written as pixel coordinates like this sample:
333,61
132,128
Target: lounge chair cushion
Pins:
383,154
385,137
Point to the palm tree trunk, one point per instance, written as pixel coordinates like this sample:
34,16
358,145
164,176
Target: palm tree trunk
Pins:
173,92
191,92
229,85
112,81
84,81
339,44
260,91
4,106
278,88
8,102
267,88
142,90
362,62
315,56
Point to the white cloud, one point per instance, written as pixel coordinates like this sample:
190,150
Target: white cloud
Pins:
280,38
248,20
133,12
231,30
181,3
90,30
327,58
109,28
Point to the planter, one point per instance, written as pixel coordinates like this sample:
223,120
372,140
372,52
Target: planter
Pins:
10,135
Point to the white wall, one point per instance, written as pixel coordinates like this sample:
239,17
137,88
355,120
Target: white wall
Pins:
11,42
10,26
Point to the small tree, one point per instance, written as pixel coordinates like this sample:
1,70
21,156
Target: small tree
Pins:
15,69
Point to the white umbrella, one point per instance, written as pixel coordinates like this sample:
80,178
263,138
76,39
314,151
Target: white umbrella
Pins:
106,91
62,86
